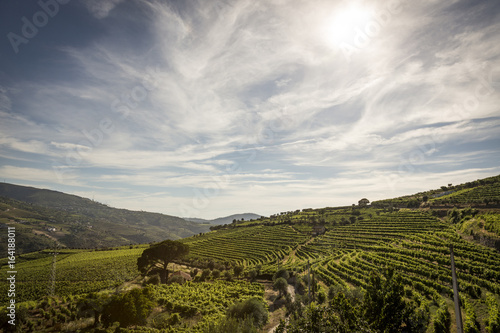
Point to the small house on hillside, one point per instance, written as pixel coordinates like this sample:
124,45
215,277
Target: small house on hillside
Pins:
363,202
318,229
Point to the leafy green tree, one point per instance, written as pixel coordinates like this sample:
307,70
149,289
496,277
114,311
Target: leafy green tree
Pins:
341,316
252,275
130,308
228,276
281,285
253,308
92,306
237,270
161,254
205,274
282,272
384,306
216,274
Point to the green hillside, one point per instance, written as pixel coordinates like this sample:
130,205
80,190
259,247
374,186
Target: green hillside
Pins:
42,216
480,193
330,252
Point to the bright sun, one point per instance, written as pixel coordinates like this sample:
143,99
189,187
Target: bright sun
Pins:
342,27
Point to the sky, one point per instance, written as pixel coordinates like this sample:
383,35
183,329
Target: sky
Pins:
211,108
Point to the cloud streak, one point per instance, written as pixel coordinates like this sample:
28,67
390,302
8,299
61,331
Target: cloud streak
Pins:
257,93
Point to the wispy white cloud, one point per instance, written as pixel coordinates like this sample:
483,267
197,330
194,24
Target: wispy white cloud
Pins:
203,87
101,8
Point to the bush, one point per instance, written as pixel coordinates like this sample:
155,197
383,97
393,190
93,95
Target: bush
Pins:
155,279
253,308
216,274
232,325
281,285
228,276
176,279
130,308
252,275
283,273
205,274
237,270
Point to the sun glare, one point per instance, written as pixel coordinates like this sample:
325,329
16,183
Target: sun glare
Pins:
344,22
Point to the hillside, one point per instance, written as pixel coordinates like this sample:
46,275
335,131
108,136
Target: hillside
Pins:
339,246
484,193
42,216
227,219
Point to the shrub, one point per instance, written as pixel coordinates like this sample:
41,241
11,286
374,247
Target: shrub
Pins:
283,273
205,274
253,308
215,273
232,325
252,275
176,279
130,308
237,270
155,279
228,276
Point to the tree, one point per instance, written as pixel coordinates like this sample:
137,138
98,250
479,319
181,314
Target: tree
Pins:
339,316
237,270
91,306
282,286
253,308
130,308
228,276
252,275
205,274
282,272
161,254
384,306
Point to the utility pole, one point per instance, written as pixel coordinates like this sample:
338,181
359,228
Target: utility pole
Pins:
456,297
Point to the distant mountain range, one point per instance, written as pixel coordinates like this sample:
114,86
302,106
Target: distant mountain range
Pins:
43,216
225,220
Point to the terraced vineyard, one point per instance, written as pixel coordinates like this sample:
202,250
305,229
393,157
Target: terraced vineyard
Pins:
413,242
483,192
247,245
77,272
340,246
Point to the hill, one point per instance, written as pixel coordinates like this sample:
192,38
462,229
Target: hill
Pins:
227,219
484,193
328,251
42,216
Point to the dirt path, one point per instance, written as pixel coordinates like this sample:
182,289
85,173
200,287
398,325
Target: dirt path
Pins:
291,292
